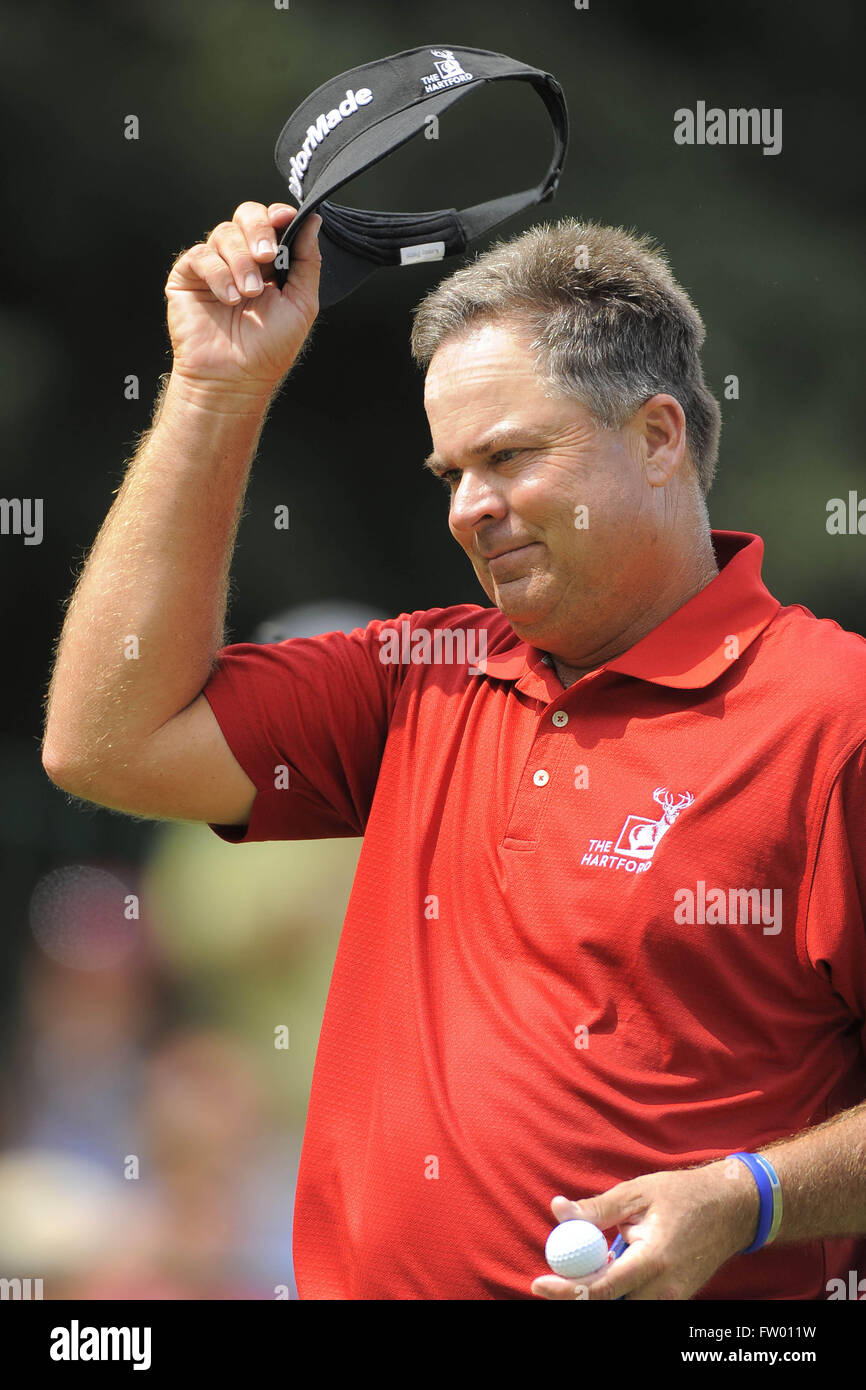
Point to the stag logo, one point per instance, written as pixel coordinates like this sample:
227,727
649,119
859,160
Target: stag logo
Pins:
640,836
449,72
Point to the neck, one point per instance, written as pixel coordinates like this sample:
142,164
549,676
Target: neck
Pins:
651,618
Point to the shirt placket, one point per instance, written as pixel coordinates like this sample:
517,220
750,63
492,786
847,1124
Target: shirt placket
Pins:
548,771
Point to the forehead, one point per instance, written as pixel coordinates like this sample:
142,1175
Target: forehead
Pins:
482,393
477,361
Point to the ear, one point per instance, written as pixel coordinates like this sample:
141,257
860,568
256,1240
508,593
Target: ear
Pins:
661,424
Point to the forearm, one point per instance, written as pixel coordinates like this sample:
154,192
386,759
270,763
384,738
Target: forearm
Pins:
148,612
822,1172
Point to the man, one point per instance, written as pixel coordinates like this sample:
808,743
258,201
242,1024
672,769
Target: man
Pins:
607,927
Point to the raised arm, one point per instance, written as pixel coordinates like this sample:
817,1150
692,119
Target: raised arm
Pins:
126,724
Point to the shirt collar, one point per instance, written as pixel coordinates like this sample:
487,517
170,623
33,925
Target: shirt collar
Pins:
692,647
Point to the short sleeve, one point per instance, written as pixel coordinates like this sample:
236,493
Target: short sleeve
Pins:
836,912
307,719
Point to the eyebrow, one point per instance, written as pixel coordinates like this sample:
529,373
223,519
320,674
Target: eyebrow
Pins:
492,443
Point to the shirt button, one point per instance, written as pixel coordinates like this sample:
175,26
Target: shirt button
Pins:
560,718
541,778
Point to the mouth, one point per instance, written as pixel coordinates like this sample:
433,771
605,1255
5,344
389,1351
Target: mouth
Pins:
511,550
507,564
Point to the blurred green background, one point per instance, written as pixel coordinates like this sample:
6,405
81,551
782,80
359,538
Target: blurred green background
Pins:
160,1044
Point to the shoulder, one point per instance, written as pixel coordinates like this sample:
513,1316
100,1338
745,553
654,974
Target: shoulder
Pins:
817,667
837,654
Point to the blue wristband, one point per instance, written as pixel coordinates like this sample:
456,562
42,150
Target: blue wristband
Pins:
770,1192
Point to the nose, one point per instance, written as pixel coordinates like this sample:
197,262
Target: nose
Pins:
472,501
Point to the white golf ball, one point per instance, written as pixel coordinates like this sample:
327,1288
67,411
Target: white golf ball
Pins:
574,1248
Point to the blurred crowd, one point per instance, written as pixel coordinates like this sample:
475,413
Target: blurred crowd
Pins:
156,1095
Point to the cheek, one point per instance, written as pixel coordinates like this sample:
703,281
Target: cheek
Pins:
547,500
554,514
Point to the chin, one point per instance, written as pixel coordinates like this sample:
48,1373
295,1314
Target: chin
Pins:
526,622
525,612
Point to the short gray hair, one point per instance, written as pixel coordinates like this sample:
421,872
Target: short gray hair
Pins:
611,325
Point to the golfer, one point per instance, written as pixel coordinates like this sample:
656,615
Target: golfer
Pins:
605,954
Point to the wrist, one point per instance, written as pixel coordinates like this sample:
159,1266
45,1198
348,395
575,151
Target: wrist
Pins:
769,1193
741,1201
218,396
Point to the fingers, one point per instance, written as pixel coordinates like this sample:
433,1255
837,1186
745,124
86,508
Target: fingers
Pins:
619,1204
255,232
237,259
202,267
642,1272
282,214
553,1286
241,247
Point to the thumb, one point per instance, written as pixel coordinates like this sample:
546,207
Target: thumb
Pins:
305,259
604,1210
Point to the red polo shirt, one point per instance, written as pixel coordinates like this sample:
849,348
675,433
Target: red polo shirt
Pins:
594,932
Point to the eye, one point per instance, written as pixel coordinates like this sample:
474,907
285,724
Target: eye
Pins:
445,478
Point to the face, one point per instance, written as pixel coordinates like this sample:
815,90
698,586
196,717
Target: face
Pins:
514,506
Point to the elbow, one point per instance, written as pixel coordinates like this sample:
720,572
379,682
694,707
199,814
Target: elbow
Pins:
60,768
54,767
82,775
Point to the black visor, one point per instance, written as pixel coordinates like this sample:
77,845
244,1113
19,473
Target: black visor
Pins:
355,120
